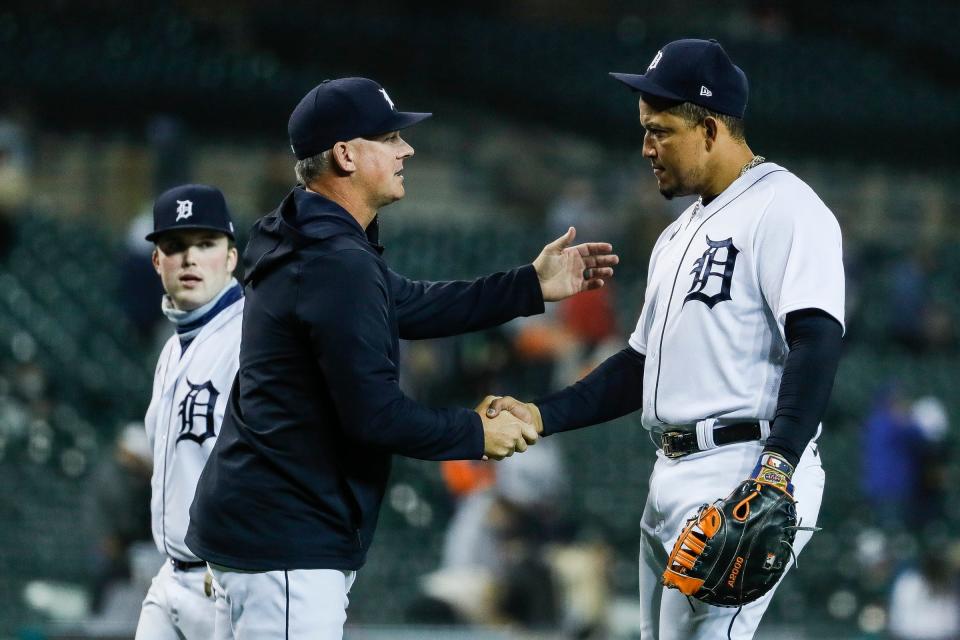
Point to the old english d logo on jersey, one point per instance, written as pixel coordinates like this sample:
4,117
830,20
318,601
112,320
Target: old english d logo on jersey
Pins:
196,413
717,262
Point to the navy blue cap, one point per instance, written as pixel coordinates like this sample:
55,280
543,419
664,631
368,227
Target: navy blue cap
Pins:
697,71
191,206
344,109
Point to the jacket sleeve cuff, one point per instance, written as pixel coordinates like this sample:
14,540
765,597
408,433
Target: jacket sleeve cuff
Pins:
476,436
531,302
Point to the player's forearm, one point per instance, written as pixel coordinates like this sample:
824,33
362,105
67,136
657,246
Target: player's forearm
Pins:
814,338
612,390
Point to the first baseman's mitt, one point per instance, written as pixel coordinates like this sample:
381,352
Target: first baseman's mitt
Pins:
734,550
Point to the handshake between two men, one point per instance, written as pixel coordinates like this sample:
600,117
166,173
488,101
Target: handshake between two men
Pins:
509,426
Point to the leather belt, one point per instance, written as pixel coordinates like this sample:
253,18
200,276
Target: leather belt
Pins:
184,565
676,444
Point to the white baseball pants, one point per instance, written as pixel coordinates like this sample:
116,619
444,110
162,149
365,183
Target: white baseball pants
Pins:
304,604
176,607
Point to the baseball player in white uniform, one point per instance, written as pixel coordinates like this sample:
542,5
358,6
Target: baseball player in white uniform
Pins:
195,257
738,341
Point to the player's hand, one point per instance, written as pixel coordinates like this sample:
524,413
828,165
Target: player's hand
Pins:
526,411
564,270
505,434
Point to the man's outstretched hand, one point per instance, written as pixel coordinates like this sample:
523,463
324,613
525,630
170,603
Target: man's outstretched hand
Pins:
564,271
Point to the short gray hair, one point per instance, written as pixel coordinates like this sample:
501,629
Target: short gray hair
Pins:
309,169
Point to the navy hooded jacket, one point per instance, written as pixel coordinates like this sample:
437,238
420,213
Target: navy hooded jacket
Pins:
298,473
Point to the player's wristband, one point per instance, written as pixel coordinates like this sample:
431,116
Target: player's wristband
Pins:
774,470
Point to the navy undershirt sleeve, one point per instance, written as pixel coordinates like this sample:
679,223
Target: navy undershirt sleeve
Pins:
613,389
814,338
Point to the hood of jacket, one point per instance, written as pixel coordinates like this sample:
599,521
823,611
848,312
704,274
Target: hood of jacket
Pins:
302,219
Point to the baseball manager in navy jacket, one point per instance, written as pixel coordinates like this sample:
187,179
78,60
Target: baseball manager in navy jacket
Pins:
287,505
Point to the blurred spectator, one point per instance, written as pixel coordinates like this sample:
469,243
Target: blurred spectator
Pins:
509,554
140,288
902,468
120,508
525,494
925,600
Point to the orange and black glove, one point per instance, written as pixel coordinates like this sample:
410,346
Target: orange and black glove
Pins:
735,550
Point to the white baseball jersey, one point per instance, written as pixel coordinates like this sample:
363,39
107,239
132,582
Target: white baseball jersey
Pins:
722,279
190,392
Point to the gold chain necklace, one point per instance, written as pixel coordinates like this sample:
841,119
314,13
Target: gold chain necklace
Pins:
754,162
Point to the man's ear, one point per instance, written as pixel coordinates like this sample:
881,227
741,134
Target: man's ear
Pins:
711,130
343,155
155,258
232,257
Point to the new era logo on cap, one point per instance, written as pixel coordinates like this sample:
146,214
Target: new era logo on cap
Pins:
705,92
656,60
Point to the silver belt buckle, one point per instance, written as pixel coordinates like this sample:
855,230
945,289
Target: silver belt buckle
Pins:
671,444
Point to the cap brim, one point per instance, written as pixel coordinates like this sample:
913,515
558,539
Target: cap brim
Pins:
153,235
643,84
400,120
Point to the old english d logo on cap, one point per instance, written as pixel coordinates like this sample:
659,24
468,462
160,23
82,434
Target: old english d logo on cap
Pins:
184,209
191,206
